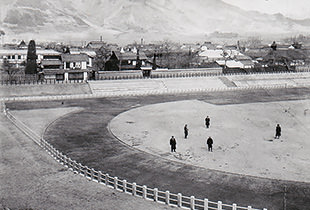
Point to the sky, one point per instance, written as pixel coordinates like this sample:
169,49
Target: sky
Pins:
297,9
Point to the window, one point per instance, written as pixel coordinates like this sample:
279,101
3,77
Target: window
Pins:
67,65
19,57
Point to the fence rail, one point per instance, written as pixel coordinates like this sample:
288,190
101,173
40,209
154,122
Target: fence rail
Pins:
134,189
185,73
38,82
135,75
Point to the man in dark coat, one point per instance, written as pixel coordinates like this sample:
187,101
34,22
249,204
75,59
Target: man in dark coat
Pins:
207,121
185,131
173,144
278,131
209,143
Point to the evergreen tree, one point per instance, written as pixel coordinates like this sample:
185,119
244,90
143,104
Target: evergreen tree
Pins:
31,66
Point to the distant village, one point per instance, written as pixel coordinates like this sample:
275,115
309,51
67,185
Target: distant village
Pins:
62,62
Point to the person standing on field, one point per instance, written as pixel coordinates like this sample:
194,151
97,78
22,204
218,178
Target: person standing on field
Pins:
278,131
185,131
207,120
209,143
173,144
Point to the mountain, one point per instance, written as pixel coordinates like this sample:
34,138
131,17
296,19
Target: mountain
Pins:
121,20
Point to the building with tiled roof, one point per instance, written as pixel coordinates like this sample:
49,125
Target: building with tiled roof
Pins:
126,60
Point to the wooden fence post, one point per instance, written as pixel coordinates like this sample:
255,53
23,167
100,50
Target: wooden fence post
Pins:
107,179
206,204
124,185
74,166
144,191
234,206
99,177
115,182
167,197
85,171
192,202
179,200
155,194
219,205
134,189
92,174
80,168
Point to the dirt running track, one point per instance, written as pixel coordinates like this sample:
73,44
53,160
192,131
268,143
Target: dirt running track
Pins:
31,179
84,137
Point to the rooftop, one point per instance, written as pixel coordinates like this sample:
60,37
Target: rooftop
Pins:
24,52
130,55
51,62
74,57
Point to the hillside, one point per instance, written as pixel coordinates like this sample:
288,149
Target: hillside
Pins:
132,19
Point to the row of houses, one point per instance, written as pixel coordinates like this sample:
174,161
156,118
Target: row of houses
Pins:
77,64
80,63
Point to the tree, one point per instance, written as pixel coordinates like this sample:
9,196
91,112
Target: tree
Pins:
31,66
102,55
274,45
66,50
297,45
9,69
1,35
139,62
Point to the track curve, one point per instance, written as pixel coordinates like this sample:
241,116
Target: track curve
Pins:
84,137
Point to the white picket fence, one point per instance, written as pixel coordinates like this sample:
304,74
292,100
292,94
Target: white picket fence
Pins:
165,197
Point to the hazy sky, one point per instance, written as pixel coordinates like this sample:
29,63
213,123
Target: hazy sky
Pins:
298,9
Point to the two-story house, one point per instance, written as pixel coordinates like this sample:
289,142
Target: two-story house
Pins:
75,66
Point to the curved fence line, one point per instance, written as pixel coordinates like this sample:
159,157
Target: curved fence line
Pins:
153,194
149,92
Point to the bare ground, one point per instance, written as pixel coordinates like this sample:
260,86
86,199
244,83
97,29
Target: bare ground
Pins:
31,179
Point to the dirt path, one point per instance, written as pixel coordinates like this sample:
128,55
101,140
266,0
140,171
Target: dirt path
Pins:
111,156
31,179
100,150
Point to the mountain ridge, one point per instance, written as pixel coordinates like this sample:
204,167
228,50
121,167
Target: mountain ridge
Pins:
128,19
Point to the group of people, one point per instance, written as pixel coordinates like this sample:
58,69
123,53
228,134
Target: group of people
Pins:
173,141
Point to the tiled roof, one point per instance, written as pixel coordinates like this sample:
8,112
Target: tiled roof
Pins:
24,52
241,57
51,62
53,71
74,57
234,64
90,53
247,62
289,54
130,55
